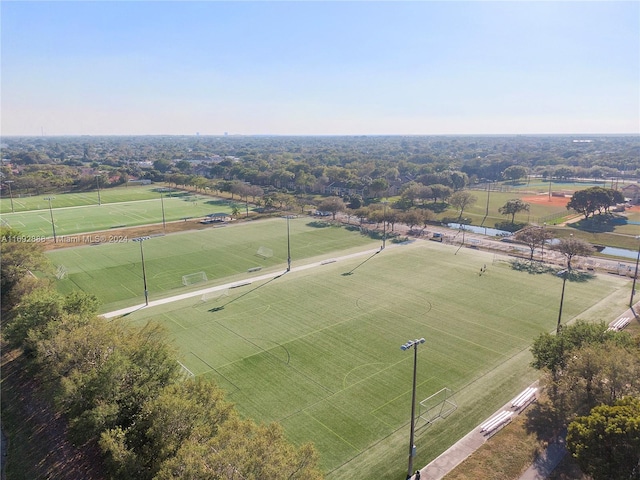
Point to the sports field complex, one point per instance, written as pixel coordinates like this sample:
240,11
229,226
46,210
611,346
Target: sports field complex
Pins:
317,347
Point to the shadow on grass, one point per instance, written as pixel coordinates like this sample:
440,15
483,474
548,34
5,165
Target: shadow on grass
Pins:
536,268
531,267
346,274
221,307
318,224
218,203
542,420
437,207
574,276
600,223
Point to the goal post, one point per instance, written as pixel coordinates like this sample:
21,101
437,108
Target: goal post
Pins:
439,405
185,373
194,278
61,272
264,252
208,296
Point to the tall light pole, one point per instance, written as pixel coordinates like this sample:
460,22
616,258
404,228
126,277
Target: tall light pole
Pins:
53,225
461,227
486,213
9,182
564,281
407,346
98,187
288,245
544,233
144,274
635,275
164,226
384,225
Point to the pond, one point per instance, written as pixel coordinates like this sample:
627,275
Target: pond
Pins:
616,252
481,230
619,252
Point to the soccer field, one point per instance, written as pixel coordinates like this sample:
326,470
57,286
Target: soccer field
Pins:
91,218
78,199
113,272
318,350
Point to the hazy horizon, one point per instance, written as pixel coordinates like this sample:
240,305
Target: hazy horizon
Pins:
333,68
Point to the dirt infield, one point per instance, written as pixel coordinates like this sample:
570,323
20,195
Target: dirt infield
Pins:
544,199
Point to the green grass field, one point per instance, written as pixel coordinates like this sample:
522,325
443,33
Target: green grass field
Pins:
113,272
91,218
319,350
81,199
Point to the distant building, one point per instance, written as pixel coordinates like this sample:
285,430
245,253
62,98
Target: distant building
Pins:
341,189
631,192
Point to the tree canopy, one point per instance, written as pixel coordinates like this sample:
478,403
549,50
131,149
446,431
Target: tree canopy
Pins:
533,237
606,442
594,199
573,247
512,207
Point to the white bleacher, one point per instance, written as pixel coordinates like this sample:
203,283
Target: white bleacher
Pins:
525,398
496,422
619,324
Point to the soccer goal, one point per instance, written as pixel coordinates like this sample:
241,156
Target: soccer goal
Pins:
61,272
194,278
264,252
208,296
439,405
184,371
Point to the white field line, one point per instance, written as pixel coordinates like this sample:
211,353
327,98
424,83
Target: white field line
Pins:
268,276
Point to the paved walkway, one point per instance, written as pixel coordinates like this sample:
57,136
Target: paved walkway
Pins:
546,463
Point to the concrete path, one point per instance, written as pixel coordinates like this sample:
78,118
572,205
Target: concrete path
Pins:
542,467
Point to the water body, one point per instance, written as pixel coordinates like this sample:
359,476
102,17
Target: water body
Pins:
616,252
620,252
481,230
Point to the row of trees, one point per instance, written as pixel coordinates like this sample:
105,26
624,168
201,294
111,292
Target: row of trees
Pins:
124,388
305,163
592,377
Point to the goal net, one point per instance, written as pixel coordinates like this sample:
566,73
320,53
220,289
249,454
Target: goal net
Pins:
207,296
184,371
264,252
438,405
194,278
61,272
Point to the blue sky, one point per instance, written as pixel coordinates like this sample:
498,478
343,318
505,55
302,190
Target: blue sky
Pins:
319,68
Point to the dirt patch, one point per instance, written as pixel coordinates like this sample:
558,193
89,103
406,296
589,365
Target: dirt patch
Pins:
121,235
560,202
